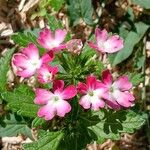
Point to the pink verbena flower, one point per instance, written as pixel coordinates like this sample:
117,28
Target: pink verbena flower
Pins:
74,46
106,43
54,103
46,73
52,41
93,92
117,94
28,61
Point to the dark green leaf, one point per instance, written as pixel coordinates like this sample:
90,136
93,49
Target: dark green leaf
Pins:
50,141
4,68
80,9
132,38
143,3
110,124
21,101
12,126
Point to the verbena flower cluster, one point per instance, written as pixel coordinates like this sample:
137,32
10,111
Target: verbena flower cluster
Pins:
94,94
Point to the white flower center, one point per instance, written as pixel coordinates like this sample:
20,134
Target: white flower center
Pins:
48,77
35,63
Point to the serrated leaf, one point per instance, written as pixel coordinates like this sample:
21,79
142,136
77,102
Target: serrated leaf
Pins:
53,23
143,3
50,141
25,37
12,126
4,68
80,9
56,4
135,78
110,124
136,36
21,101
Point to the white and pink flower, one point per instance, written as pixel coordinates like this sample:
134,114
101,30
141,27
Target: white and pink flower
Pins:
28,61
92,92
52,41
55,103
47,73
106,43
117,94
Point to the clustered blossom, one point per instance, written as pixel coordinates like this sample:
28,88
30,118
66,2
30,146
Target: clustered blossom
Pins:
94,94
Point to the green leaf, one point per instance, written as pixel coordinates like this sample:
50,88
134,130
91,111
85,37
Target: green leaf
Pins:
13,125
26,37
21,101
38,122
56,4
109,124
4,68
132,38
143,3
53,23
135,78
50,141
80,9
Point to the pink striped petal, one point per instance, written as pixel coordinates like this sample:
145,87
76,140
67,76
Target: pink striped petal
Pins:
48,111
26,73
31,51
63,107
69,92
94,46
82,88
122,83
20,60
91,82
58,85
85,102
60,35
113,44
101,35
42,96
106,77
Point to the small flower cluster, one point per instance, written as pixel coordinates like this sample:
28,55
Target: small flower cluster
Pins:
95,94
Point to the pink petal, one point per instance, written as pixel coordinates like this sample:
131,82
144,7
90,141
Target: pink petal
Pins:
42,96
45,38
20,60
58,48
107,78
31,51
58,85
48,57
124,99
26,73
97,103
113,44
101,35
85,102
60,35
94,46
69,92
62,108
48,111
82,88
123,83
91,82
113,105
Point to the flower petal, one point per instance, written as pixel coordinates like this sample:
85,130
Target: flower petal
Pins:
31,51
26,73
85,102
97,103
91,82
113,44
58,85
122,83
101,35
60,35
94,46
48,57
42,96
107,78
82,88
69,92
62,108
48,111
